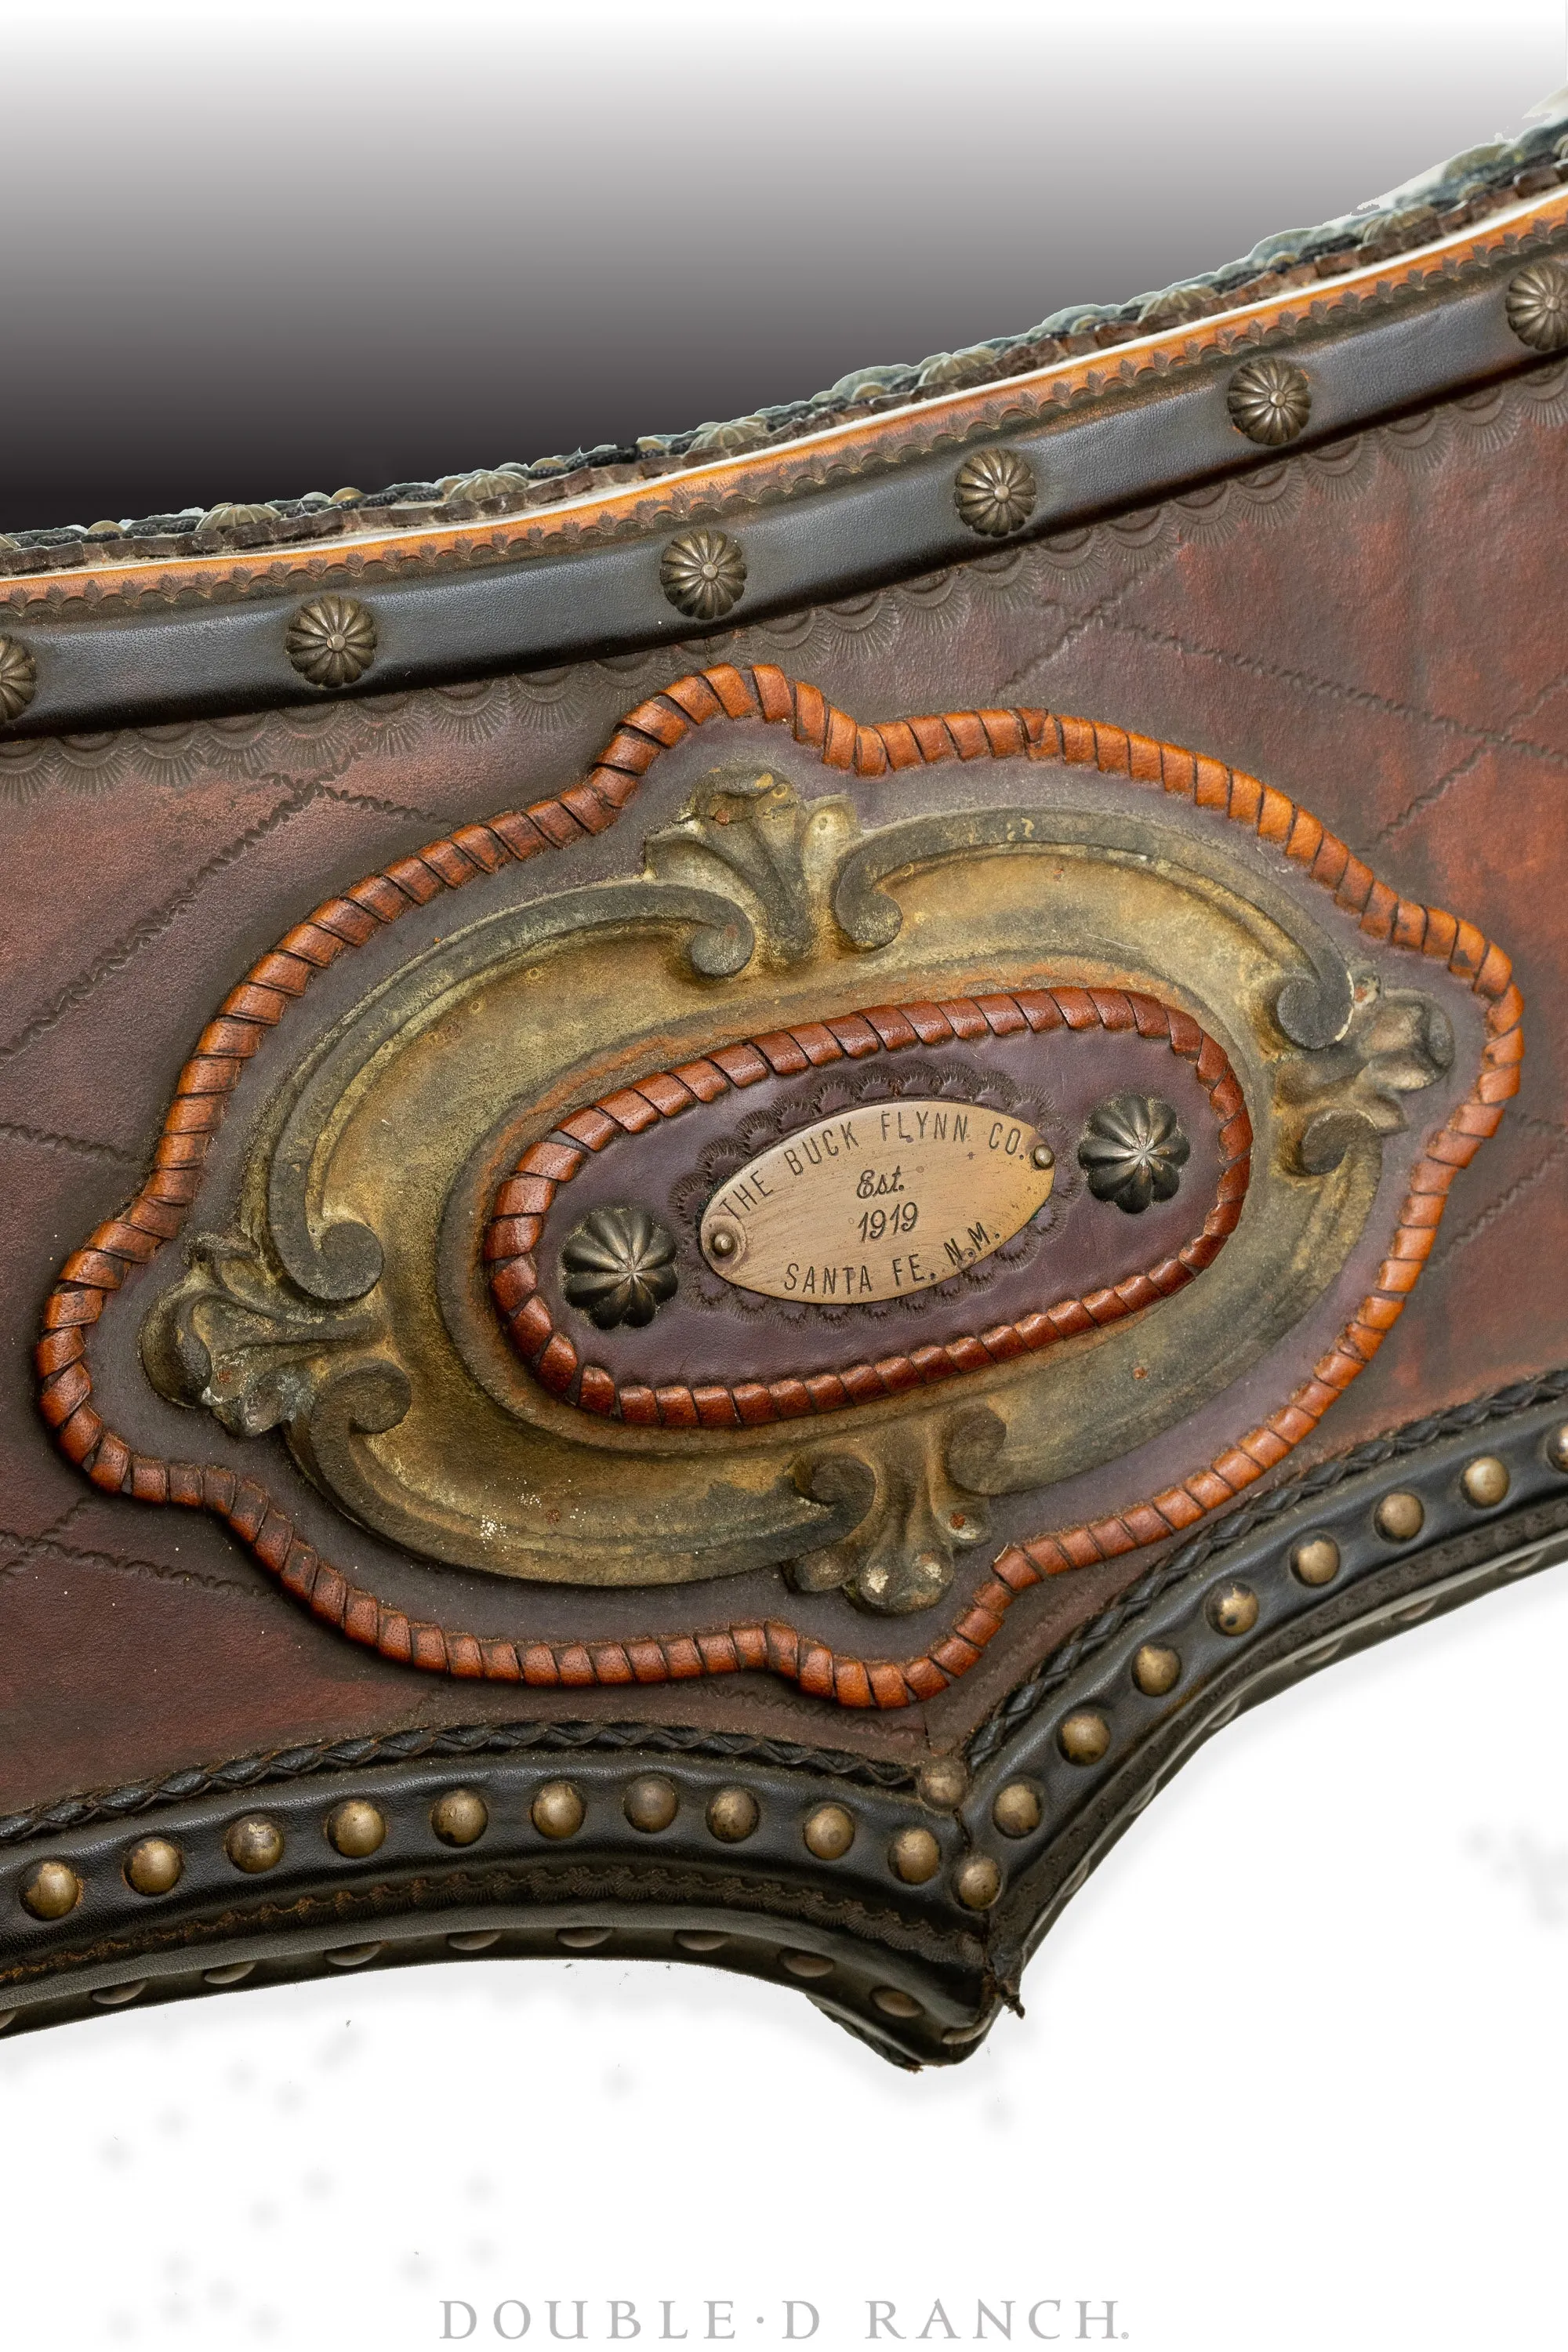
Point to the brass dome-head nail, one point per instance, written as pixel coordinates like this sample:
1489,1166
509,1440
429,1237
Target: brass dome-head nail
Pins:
829,1833
1400,1517
702,572
352,1956
1557,1448
806,1964
1043,1156
732,1814
893,2001
995,492
582,1939
1084,1737
53,1889
1233,1609
1536,306
557,1811
253,1844
1016,1808
232,1972
356,1828
154,1867
698,1939
651,1802
1485,1481
116,1996
915,1857
720,1241
460,1816
977,1882
18,680
1269,400
944,1783
474,1939
1315,1560
330,640
1156,1668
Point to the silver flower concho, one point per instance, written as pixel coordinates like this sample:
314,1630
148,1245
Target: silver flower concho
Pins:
619,1267
1134,1151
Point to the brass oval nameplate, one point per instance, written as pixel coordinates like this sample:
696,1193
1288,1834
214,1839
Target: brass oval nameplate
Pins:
877,1203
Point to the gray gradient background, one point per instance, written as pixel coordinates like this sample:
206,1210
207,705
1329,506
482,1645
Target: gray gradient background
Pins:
255,252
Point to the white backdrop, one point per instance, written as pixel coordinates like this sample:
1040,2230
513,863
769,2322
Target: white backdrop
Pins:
1295,2065
1292,2076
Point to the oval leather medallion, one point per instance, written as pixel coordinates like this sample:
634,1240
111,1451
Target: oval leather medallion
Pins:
878,1202
629,1191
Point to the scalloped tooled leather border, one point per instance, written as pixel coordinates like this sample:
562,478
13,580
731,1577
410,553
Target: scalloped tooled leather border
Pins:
525,1198
650,496
92,1274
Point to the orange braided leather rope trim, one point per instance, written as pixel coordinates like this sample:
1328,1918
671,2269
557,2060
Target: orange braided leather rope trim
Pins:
272,984
525,1198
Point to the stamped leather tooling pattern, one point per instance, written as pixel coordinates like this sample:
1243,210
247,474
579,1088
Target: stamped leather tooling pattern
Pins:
156,1213
525,1198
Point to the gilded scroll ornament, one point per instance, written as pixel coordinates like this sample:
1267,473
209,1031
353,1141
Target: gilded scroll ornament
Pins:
1396,1044
746,830
916,1504
257,1355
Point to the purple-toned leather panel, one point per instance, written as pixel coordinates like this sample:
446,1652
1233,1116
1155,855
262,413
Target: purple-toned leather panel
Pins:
712,1331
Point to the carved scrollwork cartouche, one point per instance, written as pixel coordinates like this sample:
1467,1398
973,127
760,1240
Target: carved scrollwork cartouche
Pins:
1220,927
771,891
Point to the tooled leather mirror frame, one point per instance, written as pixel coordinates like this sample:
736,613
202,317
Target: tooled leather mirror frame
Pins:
427,916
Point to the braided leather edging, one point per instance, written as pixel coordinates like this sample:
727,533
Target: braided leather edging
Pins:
525,1198
93,1273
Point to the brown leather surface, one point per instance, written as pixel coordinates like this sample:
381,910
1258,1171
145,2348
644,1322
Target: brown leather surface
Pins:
1374,629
